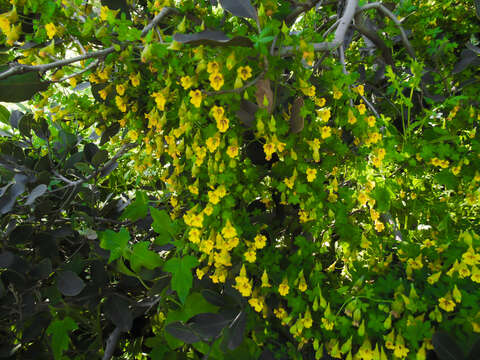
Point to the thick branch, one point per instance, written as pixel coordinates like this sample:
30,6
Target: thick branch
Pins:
112,343
17,69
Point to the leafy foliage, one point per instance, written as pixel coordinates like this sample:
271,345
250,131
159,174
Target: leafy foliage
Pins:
253,180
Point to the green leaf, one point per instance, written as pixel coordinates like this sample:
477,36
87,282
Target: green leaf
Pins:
59,330
138,209
4,115
115,242
22,87
142,256
181,270
162,224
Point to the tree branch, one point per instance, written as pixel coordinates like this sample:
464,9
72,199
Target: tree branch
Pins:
163,13
343,24
379,7
112,343
16,69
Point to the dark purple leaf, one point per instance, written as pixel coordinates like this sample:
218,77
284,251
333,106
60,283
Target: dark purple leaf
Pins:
69,283
212,38
446,348
182,332
117,311
208,325
242,8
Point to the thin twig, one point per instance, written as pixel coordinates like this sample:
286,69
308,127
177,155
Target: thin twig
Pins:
369,104
89,67
164,12
74,184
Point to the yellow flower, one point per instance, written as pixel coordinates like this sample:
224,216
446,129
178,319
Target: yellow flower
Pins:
120,89
311,174
256,303
309,91
73,82
104,12
194,235
446,304
302,285
201,272
218,112
222,124
213,67
371,121
260,241
269,149
361,109
245,72
280,313
362,198
289,182
326,132
265,282
351,117
307,319
320,102
337,94
103,93
186,82
135,79
229,231
475,274
250,255
121,103
432,279
160,100
359,89
216,81
379,226
13,34
232,151
242,284
212,143
283,288
213,197
208,209
400,351
51,30
324,114
195,97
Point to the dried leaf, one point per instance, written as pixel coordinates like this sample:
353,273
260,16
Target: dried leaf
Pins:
264,95
296,119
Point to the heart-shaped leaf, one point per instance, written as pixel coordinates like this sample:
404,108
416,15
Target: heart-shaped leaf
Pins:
212,38
69,283
208,325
